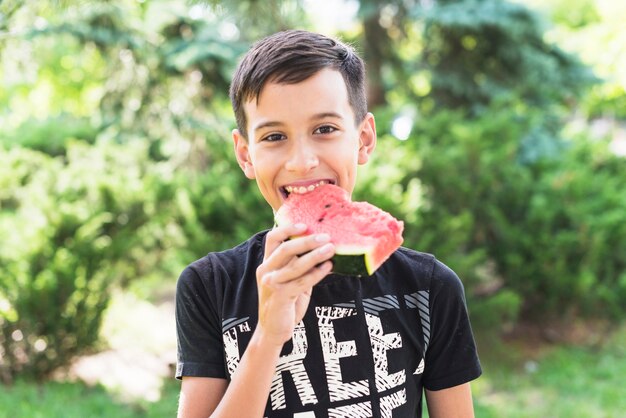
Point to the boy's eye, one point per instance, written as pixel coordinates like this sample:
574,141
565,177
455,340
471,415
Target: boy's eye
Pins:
273,137
326,129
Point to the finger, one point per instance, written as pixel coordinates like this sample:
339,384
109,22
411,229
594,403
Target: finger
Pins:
292,249
280,234
297,267
301,265
294,258
302,303
304,283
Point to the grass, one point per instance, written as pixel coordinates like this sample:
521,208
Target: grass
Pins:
562,381
77,400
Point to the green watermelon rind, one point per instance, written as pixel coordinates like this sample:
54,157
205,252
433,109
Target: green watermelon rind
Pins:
362,254
350,265
349,259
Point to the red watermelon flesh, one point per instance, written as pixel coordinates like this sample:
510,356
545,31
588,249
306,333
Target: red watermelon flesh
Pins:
357,229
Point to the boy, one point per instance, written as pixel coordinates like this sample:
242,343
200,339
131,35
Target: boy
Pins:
265,329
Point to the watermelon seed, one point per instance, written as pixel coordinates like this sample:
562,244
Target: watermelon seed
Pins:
320,219
327,205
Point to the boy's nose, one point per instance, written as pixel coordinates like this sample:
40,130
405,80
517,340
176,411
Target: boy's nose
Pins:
302,159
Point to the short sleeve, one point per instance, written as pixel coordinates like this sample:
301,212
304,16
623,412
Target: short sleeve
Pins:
451,356
200,346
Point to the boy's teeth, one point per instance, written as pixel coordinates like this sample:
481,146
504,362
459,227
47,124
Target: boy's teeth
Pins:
304,189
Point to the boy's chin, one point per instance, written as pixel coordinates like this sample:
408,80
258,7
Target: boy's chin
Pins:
277,203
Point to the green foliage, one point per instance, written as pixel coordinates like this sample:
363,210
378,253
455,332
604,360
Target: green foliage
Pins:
255,19
218,208
548,232
594,31
576,257
148,71
478,51
469,176
575,14
71,230
50,136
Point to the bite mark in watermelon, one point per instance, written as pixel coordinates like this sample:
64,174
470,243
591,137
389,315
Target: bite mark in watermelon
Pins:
364,235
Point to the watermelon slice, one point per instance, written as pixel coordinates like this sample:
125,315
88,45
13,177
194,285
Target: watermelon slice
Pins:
364,235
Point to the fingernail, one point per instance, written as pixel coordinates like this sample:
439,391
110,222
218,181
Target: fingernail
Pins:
325,249
322,238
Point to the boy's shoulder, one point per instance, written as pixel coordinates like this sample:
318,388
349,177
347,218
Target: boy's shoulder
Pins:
424,267
415,258
230,262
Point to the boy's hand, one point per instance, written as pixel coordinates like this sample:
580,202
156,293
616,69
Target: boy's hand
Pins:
286,278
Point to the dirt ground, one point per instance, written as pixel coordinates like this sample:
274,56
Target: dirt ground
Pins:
140,353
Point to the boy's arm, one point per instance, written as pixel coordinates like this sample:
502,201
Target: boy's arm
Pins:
454,402
285,280
247,393
199,396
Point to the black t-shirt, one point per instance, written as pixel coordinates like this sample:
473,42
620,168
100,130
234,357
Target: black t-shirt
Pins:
366,346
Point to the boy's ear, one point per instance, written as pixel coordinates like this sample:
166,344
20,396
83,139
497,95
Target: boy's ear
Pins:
243,154
367,138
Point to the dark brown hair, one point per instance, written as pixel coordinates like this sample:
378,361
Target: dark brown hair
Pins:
291,57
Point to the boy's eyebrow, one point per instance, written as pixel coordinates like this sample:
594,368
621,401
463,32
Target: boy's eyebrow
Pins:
317,116
268,124
324,115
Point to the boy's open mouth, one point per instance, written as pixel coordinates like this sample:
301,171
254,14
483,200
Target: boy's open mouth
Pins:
302,189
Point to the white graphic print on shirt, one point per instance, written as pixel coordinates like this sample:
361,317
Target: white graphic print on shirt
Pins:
339,390
293,363
333,351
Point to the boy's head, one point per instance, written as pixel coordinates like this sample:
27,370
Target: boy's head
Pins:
301,113
291,57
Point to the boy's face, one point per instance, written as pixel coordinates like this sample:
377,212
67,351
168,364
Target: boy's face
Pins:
301,135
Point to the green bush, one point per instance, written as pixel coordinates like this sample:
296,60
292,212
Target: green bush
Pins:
549,231
218,209
50,135
479,51
72,229
574,258
214,204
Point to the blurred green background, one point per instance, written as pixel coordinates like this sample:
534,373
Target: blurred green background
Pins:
502,145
